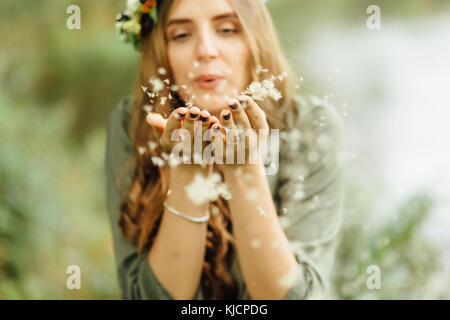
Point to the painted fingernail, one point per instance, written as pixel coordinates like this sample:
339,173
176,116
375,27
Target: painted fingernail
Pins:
194,115
180,115
233,106
227,116
203,119
243,103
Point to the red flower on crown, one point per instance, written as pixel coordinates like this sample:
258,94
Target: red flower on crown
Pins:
148,6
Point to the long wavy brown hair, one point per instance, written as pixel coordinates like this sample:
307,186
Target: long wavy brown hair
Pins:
142,210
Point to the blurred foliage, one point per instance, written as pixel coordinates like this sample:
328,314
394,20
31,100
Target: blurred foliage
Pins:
409,264
57,87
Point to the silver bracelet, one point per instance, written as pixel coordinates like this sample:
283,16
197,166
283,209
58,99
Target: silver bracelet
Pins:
198,220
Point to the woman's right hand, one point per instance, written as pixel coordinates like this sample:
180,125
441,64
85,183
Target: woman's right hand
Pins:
181,118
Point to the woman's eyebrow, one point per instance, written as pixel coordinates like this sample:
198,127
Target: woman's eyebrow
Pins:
186,20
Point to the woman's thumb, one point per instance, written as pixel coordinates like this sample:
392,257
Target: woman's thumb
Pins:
156,120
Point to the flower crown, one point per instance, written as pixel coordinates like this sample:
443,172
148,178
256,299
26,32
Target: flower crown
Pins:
137,20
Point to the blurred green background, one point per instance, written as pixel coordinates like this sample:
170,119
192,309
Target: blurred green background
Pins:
57,87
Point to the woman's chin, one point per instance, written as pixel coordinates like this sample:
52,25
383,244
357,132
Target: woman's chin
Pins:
213,105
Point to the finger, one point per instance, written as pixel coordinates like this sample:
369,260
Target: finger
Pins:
157,122
213,120
228,125
192,115
190,122
256,115
226,119
240,117
205,119
216,133
173,123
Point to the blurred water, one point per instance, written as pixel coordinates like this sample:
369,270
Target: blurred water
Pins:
395,82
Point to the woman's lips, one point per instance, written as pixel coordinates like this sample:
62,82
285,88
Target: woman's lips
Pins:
209,84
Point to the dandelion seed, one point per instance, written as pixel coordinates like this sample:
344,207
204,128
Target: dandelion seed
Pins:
277,244
157,161
141,150
189,103
174,88
165,156
151,95
255,243
261,211
284,222
222,85
184,86
337,70
167,81
247,176
260,69
148,108
223,191
283,211
162,71
157,84
259,90
275,94
189,90
252,194
298,195
289,278
170,96
215,211
152,145
173,161
144,88
202,189
163,100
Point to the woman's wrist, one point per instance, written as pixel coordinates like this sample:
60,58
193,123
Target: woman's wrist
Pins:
233,172
187,171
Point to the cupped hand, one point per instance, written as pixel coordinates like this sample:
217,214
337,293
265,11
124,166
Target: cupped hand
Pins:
242,123
193,121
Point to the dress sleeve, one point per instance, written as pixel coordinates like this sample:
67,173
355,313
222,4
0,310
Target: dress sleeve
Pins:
309,193
136,278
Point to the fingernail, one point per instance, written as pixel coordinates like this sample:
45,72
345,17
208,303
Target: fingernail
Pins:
203,119
180,115
194,115
243,103
233,106
227,116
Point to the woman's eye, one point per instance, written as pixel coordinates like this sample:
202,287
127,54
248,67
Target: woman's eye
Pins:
180,36
229,30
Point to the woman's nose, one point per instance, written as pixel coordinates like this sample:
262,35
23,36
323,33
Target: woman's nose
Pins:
207,48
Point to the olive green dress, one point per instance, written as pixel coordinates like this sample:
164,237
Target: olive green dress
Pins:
307,191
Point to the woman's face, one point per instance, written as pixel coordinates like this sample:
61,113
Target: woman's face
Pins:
207,52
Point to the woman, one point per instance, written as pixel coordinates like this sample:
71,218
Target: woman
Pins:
274,236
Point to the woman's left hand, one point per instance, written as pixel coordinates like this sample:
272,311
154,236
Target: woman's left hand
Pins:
242,121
